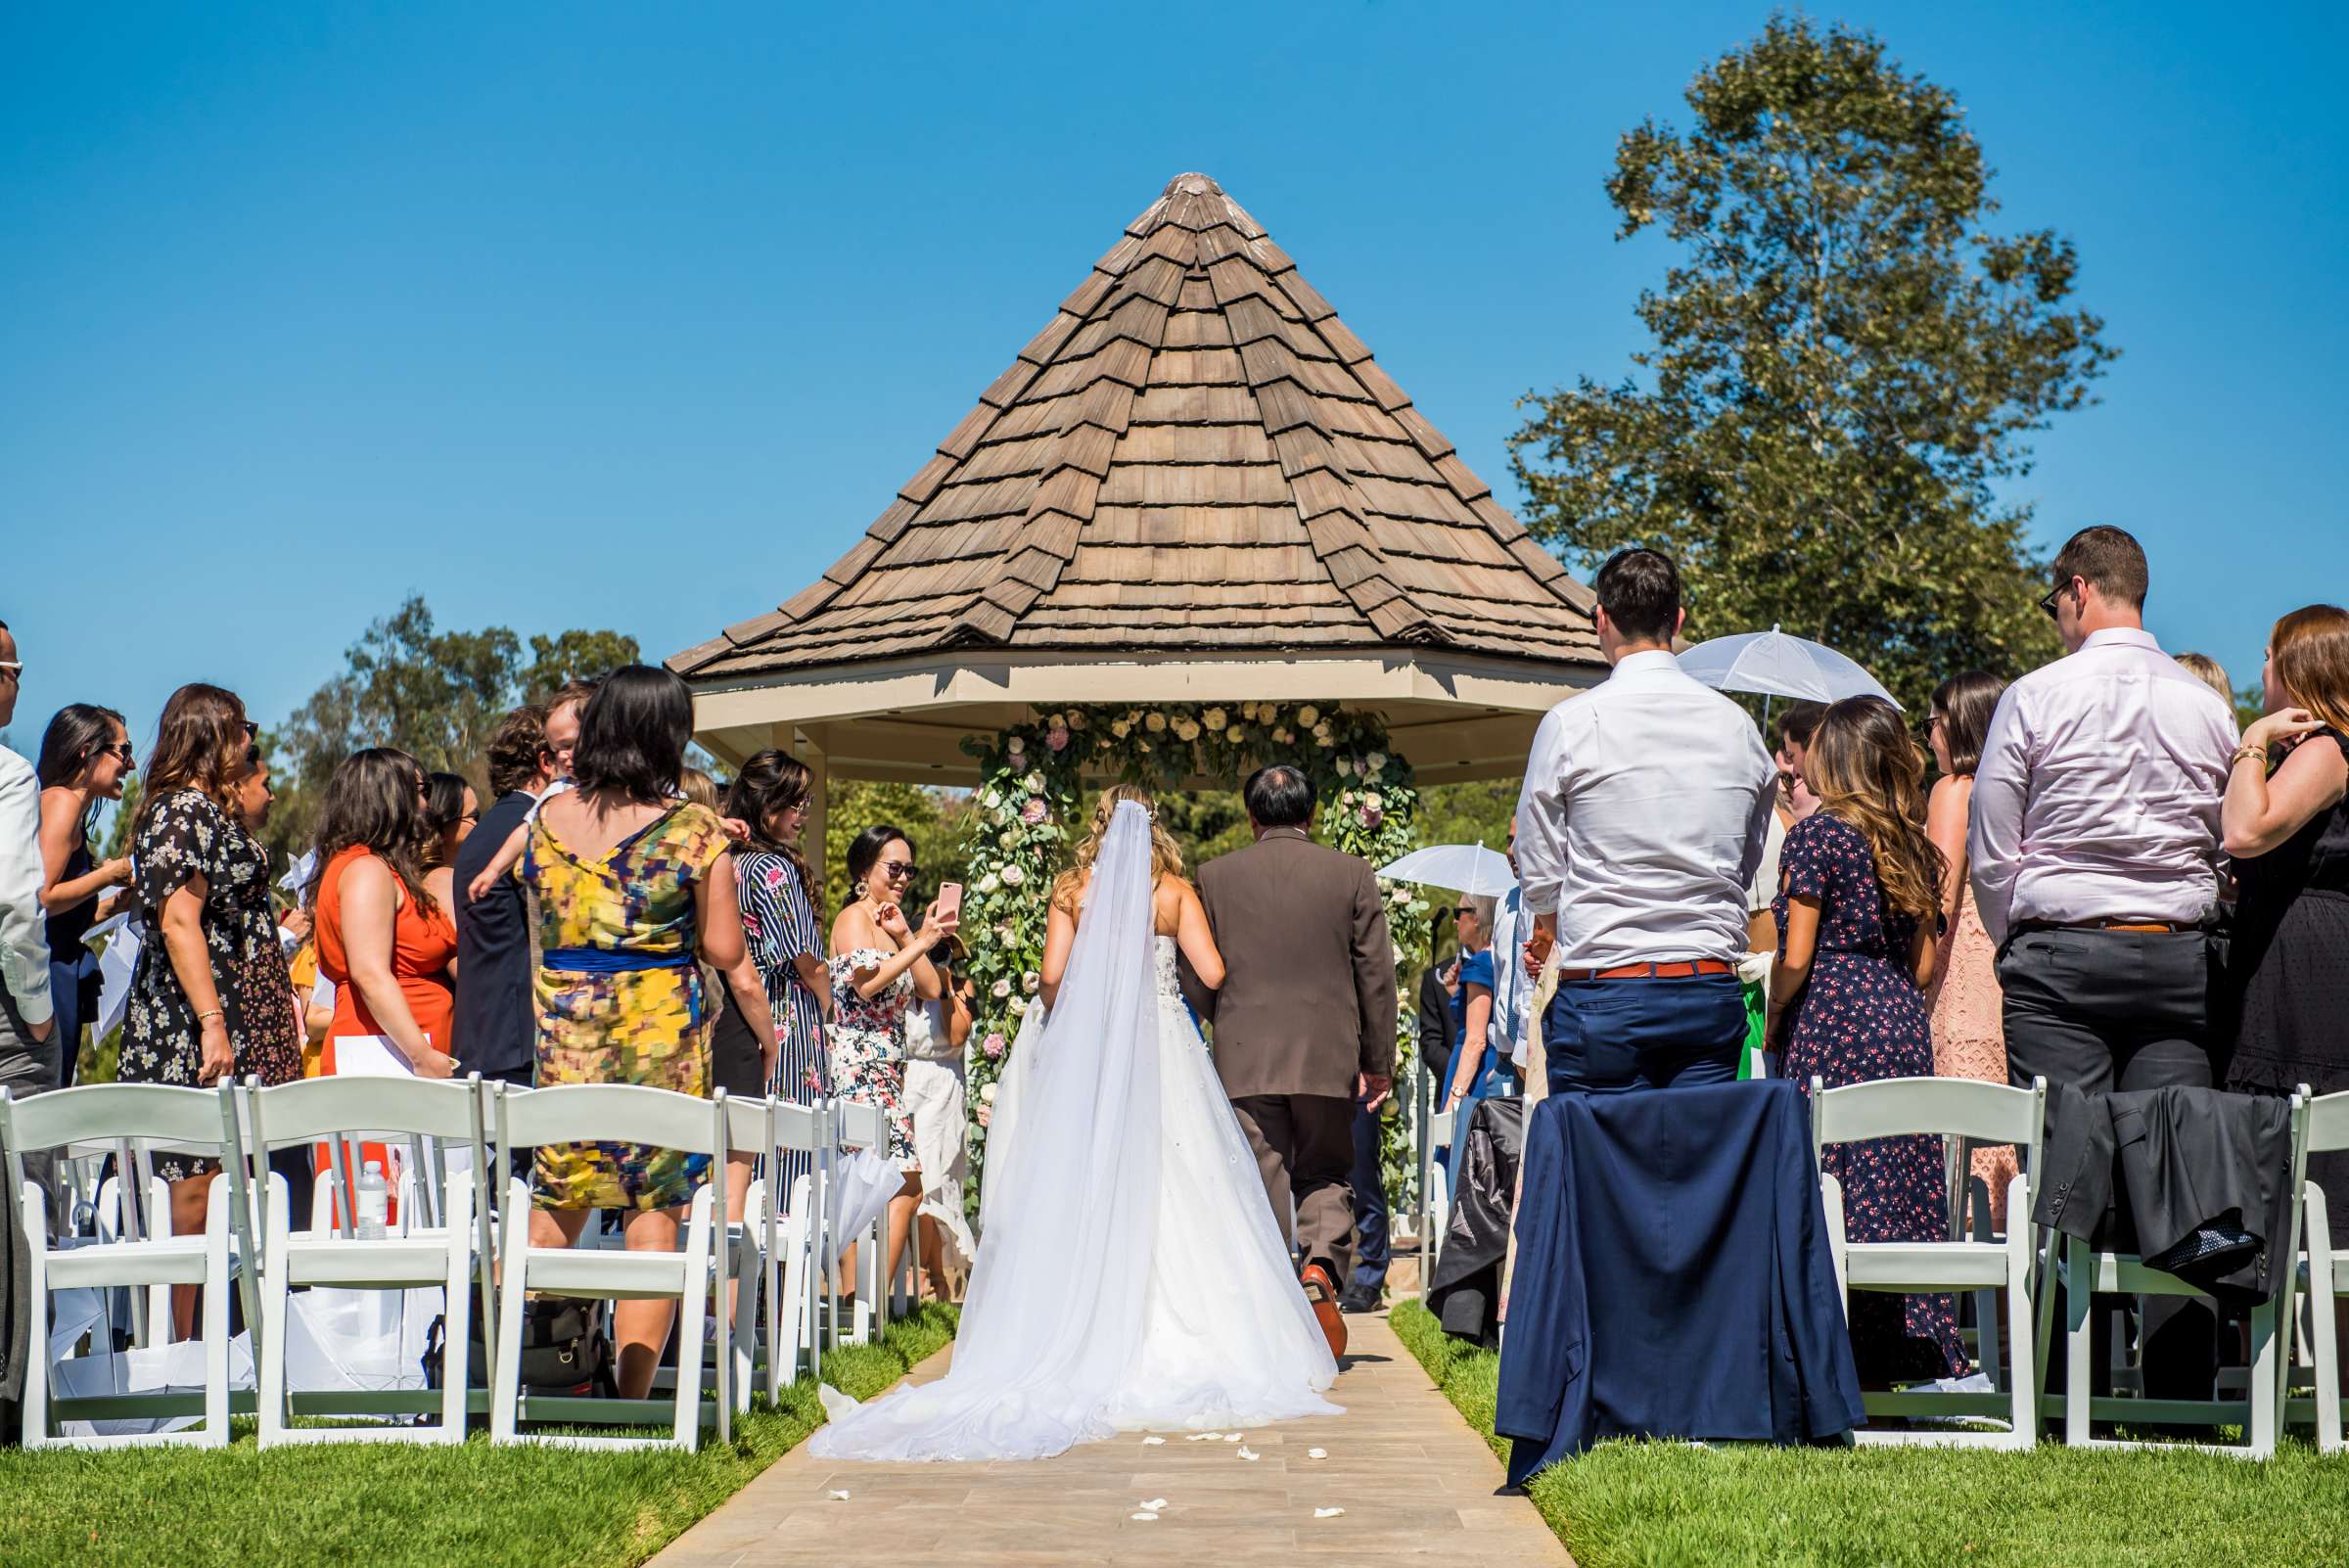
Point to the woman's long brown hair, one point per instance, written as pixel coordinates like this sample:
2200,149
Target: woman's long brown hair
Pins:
1867,772
200,744
372,799
770,783
2311,650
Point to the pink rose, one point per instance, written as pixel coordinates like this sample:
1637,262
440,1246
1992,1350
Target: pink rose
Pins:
986,1115
1035,811
992,1045
1371,814
1057,739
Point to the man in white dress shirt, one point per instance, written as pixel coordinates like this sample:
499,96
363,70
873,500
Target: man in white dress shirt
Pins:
1645,804
1512,988
29,1048
2094,845
2095,839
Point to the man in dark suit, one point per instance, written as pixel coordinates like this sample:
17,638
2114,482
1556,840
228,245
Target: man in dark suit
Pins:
1305,1022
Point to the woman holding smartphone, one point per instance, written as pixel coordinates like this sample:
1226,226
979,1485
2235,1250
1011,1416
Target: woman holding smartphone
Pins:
880,965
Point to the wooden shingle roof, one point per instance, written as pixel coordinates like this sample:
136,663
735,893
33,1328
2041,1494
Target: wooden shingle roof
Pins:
1194,454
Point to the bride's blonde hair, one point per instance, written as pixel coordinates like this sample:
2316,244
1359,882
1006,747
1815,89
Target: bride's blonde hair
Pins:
1165,856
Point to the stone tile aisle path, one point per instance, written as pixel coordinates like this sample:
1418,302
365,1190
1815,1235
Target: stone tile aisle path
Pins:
1416,1485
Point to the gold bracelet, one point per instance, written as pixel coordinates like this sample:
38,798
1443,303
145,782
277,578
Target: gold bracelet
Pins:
212,1012
2248,753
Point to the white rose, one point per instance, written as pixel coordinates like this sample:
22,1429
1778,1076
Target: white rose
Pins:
1346,799
1214,718
1121,730
1186,730
987,884
1006,839
1398,897
1058,721
1322,737
1371,798
1236,734
1376,761
1030,981
1282,736
1015,746
1034,783
1000,989
1308,716
1345,767
991,800
1075,718
987,1094
1013,876
1155,723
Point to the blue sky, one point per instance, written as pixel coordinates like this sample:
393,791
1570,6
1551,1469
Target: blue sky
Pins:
601,314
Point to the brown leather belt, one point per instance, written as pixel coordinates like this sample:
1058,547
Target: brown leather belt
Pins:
1677,969
2159,928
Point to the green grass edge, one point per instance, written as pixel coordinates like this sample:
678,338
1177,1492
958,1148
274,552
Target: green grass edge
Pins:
393,1506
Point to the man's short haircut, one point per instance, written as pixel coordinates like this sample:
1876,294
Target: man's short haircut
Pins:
513,750
1641,591
2109,560
1279,796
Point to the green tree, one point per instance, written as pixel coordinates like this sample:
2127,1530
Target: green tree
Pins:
438,695
931,819
1845,359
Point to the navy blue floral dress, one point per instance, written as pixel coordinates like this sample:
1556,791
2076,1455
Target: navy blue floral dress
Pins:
1861,1018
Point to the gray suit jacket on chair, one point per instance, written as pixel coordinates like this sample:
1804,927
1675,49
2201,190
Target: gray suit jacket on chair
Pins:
1307,999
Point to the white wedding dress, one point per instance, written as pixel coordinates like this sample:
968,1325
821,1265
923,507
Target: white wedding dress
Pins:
1130,1274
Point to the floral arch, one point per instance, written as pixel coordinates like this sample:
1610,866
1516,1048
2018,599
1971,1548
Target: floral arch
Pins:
1033,802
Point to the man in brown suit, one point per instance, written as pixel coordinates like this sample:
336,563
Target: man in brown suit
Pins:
1303,1024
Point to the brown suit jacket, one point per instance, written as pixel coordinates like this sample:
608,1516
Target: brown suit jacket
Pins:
1307,999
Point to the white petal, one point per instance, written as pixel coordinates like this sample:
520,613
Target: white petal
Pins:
837,1497
1317,1453
1153,1442
1142,1518
1327,1513
1205,1437
1154,1504
1250,1453
1235,1437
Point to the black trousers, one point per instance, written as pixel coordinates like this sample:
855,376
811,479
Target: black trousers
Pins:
2121,1010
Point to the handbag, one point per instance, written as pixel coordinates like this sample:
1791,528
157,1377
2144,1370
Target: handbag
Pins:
565,1348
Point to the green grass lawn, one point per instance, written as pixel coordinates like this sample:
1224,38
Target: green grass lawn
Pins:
1645,1504
386,1506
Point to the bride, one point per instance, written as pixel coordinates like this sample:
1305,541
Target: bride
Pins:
1129,1274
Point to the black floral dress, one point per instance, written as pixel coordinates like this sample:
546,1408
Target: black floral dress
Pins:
1859,1019
189,834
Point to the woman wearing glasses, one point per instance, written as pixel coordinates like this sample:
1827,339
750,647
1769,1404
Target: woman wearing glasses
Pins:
212,995
878,964
86,757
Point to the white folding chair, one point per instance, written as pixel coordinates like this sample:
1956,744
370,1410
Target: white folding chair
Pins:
783,1253
1958,1109
421,1254
2324,1273
858,1124
694,1276
2088,1272
1435,1196
200,1121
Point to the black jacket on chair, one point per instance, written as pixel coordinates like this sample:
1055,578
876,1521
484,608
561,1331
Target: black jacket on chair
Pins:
2195,1168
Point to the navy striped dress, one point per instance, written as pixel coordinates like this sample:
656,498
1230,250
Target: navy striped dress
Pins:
779,925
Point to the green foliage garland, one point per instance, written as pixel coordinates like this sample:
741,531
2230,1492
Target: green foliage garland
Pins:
1034,803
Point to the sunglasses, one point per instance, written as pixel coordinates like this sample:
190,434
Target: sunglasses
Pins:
13,666
120,752
2053,595
905,870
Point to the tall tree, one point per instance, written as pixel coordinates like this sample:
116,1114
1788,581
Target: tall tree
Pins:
436,694
1846,360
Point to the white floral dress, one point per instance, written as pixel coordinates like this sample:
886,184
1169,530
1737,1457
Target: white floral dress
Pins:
867,1043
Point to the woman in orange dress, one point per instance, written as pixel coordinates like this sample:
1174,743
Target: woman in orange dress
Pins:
386,936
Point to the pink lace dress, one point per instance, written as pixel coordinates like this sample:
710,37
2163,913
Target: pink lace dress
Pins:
1969,1036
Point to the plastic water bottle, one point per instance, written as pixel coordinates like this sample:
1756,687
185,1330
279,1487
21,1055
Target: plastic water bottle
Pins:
375,1203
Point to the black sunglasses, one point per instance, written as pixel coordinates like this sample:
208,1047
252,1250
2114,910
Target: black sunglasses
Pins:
900,869
2053,595
121,750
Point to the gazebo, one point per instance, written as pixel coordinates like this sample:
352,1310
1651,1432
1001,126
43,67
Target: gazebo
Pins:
1193,485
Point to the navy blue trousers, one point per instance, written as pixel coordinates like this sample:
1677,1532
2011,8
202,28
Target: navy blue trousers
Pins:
1602,1035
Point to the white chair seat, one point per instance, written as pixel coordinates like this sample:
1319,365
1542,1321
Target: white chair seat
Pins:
1913,1266
391,1263
609,1274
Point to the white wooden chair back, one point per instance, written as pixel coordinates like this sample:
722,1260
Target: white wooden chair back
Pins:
2323,1272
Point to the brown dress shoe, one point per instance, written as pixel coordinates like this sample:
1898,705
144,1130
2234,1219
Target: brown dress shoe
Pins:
1322,1292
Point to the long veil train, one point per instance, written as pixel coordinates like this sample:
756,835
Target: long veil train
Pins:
1129,1274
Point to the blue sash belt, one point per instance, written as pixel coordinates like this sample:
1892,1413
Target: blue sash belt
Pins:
610,960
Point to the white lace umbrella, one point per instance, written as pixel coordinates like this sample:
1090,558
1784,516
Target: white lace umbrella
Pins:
1468,868
1777,664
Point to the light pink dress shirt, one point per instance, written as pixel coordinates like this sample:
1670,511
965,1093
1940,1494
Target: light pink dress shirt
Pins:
2098,794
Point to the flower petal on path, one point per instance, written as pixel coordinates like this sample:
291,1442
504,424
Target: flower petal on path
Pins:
1327,1513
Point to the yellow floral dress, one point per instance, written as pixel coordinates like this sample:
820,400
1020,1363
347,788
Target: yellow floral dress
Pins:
619,999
